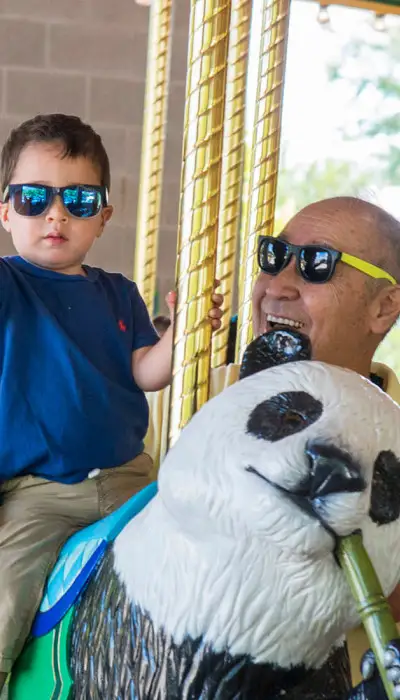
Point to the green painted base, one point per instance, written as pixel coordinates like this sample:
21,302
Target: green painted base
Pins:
42,670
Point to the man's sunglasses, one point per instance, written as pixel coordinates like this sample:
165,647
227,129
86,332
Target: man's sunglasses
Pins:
314,263
81,201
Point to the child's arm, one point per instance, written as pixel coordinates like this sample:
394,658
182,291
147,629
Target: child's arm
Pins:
152,366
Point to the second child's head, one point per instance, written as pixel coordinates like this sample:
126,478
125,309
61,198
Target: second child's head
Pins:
55,180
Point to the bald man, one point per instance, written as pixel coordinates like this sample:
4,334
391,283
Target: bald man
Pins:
348,316
346,299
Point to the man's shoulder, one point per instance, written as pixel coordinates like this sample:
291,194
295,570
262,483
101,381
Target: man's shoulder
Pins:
389,379
222,377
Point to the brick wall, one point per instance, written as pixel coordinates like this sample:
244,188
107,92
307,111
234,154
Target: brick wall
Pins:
88,57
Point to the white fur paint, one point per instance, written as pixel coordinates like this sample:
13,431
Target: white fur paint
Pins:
221,554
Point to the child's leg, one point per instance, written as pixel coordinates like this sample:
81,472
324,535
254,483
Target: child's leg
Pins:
117,485
36,518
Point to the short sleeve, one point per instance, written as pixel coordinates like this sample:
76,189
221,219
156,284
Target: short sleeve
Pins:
144,333
3,282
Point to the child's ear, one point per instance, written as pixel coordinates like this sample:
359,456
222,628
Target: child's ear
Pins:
106,215
4,216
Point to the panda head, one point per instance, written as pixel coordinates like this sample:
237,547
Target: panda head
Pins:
292,457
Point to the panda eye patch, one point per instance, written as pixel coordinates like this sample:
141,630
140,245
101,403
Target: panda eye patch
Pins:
385,491
283,415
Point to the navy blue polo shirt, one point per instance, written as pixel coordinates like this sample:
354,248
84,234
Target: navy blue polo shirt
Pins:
68,400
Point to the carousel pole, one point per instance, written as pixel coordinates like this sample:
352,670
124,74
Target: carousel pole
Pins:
372,606
262,176
232,168
199,208
152,161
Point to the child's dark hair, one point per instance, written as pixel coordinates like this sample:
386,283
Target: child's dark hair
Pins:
75,137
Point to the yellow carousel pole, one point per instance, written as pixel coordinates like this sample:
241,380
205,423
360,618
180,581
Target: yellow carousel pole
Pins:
232,168
199,208
263,164
152,161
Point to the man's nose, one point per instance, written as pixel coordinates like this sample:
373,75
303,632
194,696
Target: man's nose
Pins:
56,210
284,285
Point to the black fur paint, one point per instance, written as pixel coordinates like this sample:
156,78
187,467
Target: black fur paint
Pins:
118,653
385,490
274,348
283,415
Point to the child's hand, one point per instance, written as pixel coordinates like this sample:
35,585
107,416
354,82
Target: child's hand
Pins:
170,300
215,312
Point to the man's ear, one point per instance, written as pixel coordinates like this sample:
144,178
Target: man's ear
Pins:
385,309
4,208
106,215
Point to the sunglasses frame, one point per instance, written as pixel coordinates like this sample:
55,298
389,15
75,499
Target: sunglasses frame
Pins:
336,255
53,192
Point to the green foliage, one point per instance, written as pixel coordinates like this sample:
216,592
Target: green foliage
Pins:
382,82
389,351
301,186
381,87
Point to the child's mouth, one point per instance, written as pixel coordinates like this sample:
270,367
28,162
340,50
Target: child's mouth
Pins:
56,239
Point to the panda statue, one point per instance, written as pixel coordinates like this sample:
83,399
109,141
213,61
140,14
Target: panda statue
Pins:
226,586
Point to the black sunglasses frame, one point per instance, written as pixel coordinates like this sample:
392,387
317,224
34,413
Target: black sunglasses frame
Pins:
52,192
290,249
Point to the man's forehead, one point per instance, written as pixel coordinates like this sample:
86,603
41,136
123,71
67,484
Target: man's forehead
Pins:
332,227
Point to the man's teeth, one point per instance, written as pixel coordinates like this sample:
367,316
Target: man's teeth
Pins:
284,321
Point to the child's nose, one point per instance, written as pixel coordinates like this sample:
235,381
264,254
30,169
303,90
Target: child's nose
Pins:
56,210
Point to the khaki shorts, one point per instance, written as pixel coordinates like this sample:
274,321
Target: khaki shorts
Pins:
36,518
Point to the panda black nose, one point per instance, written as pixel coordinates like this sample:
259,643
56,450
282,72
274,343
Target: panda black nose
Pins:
332,470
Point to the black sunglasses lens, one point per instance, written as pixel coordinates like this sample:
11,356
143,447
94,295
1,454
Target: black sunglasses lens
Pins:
82,202
30,200
316,265
272,255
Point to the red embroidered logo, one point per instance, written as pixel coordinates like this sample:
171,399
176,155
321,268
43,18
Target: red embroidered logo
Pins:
122,326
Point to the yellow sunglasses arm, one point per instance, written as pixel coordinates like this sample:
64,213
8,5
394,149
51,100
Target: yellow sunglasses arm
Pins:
367,268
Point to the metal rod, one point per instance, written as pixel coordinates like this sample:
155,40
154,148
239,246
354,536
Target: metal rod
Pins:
199,208
232,169
262,177
152,160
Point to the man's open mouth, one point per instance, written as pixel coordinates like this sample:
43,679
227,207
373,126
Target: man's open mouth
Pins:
273,321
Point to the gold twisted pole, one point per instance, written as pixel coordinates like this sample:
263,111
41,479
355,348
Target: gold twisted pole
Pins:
152,160
232,168
259,209
199,208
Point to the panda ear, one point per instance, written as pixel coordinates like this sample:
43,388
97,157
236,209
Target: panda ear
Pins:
277,347
385,489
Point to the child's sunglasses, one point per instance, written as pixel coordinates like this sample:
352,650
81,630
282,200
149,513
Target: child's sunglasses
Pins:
81,201
314,263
